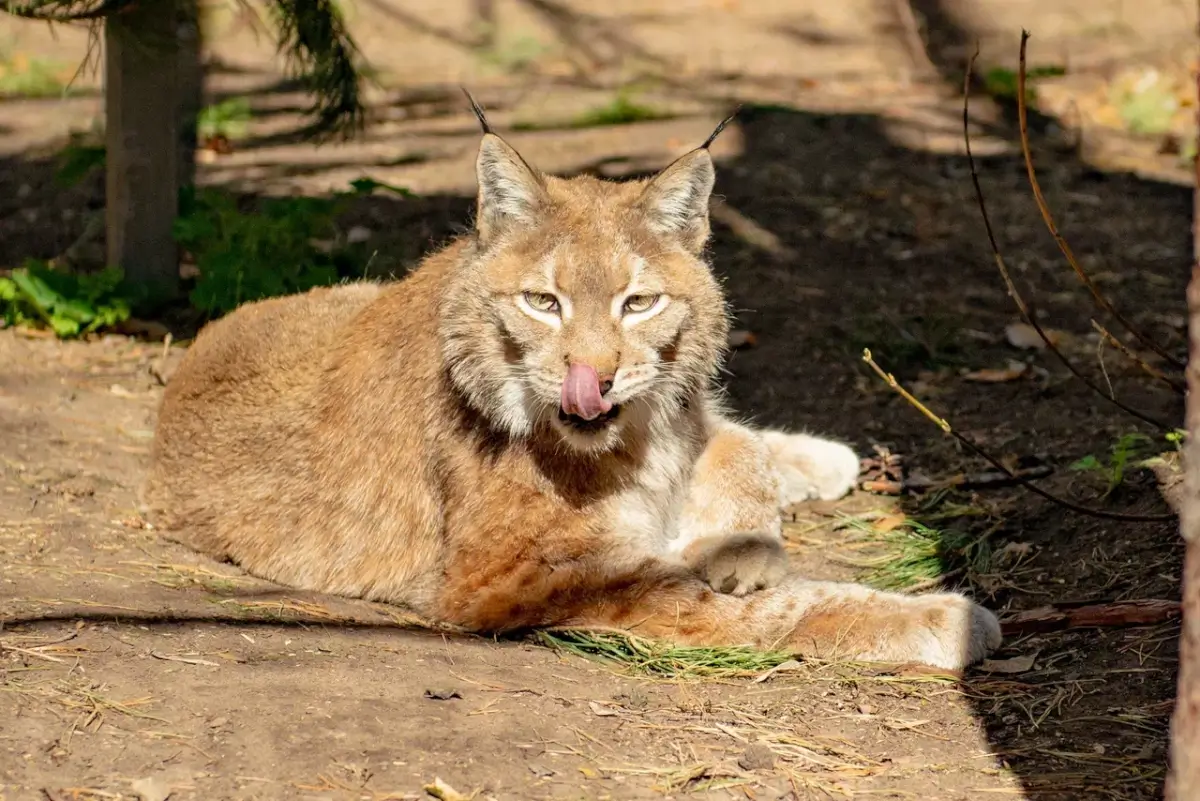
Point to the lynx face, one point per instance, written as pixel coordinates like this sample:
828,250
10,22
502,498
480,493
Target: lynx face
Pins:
583,306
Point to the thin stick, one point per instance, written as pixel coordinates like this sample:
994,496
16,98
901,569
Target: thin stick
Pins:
973,481
1150,370
1048,218
30,652
941,422
1003,268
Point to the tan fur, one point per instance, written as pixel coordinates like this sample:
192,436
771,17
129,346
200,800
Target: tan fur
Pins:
402,443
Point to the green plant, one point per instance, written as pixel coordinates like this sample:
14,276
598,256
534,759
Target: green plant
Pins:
278,247
1128,450
25,76
70,304
621,110
229,118
1147,102
81,156
1002,83
511,54
912,342
248,255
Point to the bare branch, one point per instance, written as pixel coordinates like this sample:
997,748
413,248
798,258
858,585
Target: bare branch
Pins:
1029,319
1098,296
943,424
1149,369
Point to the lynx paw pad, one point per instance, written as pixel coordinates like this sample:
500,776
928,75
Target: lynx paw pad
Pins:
739,564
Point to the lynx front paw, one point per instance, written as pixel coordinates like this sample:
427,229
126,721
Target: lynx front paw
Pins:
738,564
811,468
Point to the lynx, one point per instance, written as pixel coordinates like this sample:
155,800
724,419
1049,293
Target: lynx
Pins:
524,432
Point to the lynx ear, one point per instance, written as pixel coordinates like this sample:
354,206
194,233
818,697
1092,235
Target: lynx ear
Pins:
510,191
676,201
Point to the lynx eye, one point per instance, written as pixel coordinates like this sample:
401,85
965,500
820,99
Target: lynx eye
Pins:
636,304
542,301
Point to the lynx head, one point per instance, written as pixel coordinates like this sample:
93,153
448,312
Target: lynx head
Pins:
583,307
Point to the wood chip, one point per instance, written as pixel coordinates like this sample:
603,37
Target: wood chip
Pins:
444,792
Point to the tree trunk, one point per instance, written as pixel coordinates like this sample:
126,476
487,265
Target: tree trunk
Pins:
152,75
1183,778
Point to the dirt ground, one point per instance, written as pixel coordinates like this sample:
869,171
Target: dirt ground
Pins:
132,668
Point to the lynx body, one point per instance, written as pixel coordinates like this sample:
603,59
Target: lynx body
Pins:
523,433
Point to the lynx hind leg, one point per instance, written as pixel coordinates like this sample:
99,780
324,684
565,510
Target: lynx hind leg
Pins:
851,621
811,468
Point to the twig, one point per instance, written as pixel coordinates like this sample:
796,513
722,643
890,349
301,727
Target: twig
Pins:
1029,319
1150,370
30,652
972,481
187,660
1048,218
1121,613
999,465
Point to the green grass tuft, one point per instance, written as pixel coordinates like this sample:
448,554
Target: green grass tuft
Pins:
915,555
662,659
622,110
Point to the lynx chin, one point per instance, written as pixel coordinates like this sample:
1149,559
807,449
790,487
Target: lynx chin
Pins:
523,432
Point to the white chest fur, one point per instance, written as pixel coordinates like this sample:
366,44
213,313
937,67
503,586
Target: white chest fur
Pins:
647,512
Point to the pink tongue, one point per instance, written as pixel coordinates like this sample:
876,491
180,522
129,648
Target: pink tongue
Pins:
581,393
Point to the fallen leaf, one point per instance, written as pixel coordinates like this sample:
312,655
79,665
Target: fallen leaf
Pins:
782,667
442,695
1025,337
151,789
1012,372
444,792
1017,664
742,339
601,711
589,773
888,523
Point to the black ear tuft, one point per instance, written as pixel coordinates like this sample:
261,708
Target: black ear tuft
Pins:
483,123
720,127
